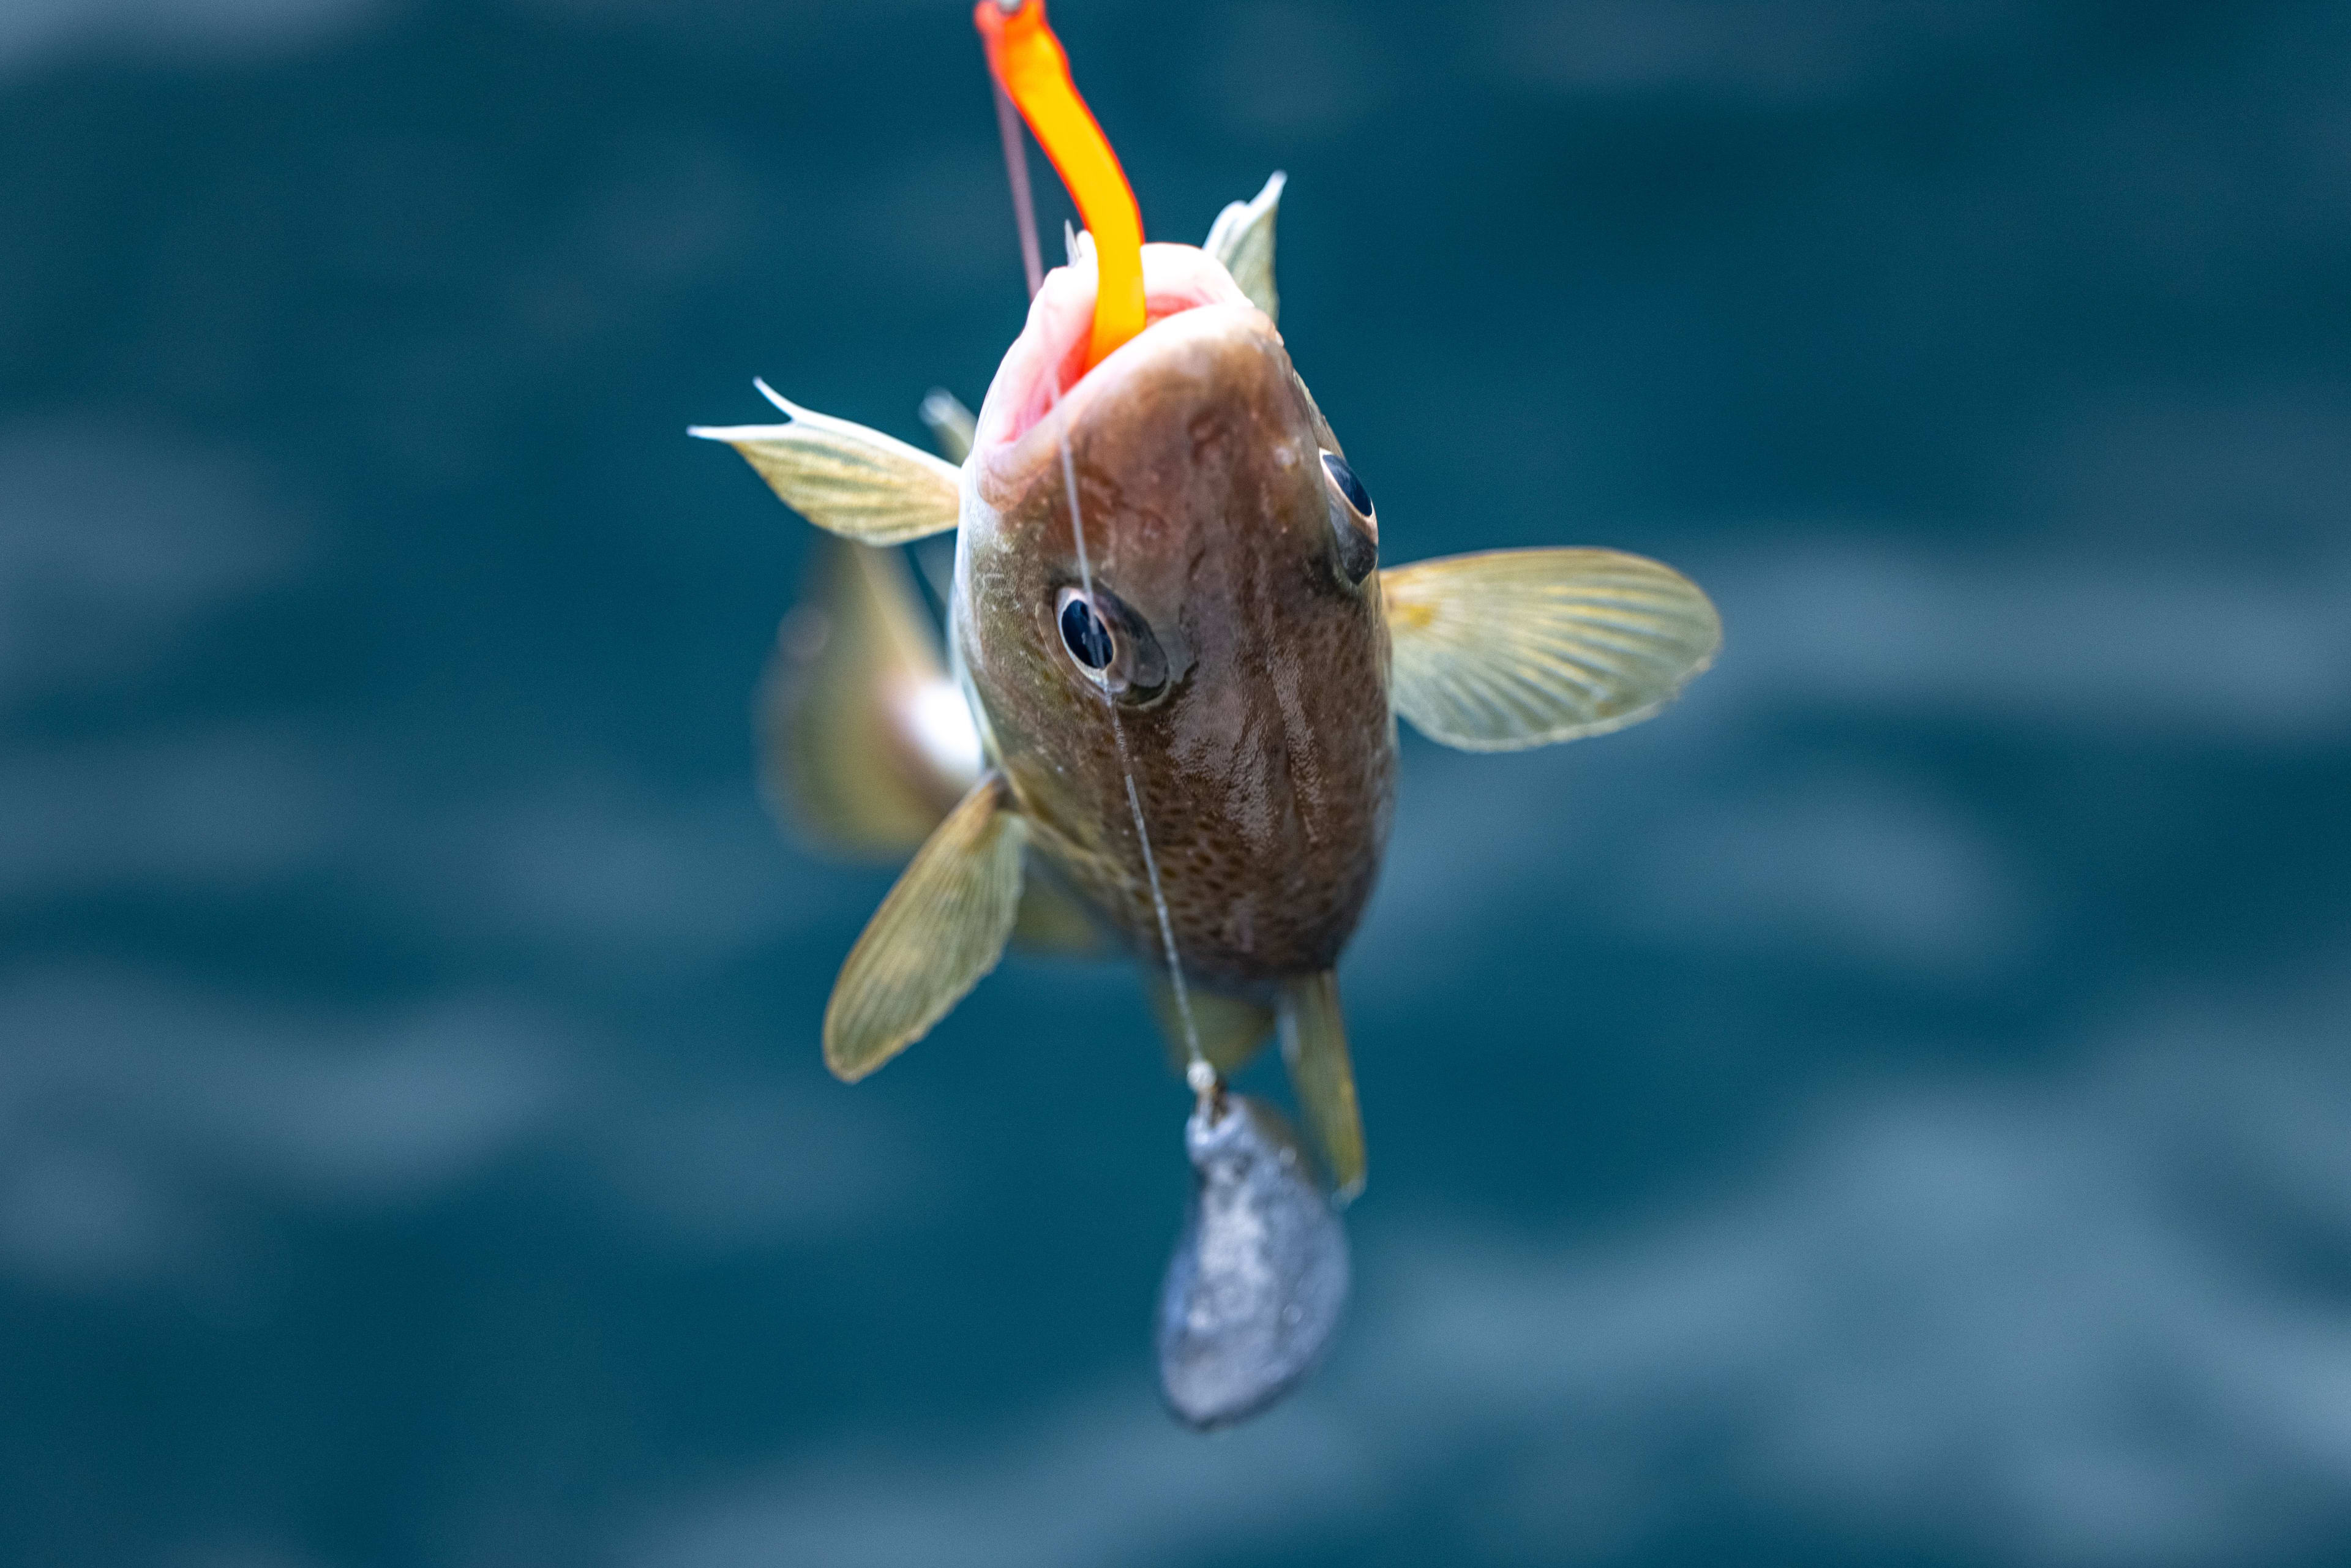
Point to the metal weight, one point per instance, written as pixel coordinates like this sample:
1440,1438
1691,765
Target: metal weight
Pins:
1259,1279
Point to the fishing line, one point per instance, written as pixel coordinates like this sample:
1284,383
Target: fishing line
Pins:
1024,202
1088,188
1197,1073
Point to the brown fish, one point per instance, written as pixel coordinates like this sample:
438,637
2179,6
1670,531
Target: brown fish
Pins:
1179,664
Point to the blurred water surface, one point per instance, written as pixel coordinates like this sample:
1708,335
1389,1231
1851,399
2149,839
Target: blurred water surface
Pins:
1894,1109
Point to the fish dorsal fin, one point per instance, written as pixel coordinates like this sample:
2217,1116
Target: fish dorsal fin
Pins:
1242,238
940,930
847,479
1508,649
1314,1050
865,740
952,426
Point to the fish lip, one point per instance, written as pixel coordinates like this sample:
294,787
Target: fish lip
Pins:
1001,472
1180,281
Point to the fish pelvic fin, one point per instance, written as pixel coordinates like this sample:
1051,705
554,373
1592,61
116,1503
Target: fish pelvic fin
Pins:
941,929
1508,649
1054,921
1231,1031
845,478
1314,1050
1242,238
866,741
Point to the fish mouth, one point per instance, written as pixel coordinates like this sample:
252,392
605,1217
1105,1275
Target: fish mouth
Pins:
1046,365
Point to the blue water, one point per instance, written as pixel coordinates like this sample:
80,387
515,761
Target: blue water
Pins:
1893,1109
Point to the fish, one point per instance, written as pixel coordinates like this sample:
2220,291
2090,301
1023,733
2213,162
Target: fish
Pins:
1163,719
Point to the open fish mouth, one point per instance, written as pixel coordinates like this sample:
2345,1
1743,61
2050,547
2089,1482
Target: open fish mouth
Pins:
1046,365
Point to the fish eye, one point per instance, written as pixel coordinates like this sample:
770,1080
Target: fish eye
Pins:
1349,485
1353,521
1112,643
1084,633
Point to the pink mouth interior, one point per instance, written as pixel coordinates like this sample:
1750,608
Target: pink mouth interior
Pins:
1048,360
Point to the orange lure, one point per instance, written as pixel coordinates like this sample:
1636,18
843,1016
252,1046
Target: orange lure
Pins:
1029,65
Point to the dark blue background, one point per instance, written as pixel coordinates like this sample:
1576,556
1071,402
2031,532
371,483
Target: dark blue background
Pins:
1893,1109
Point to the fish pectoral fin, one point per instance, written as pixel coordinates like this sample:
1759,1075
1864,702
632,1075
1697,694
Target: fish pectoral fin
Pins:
952,426
1508,649
847,479
1231,1030
1314,1050
940,930
1242,238
866,742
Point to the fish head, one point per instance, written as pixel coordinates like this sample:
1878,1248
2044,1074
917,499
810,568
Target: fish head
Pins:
1164,574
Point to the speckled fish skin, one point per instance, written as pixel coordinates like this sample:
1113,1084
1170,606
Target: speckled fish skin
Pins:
1259,1279
1232,708
1265,766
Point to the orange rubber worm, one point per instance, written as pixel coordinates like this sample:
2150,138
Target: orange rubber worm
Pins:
1029,65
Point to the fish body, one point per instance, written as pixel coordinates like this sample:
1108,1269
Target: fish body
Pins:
1246,701
1179,663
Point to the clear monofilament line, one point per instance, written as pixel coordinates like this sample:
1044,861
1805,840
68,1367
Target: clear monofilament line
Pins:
1024,202
1197,1073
